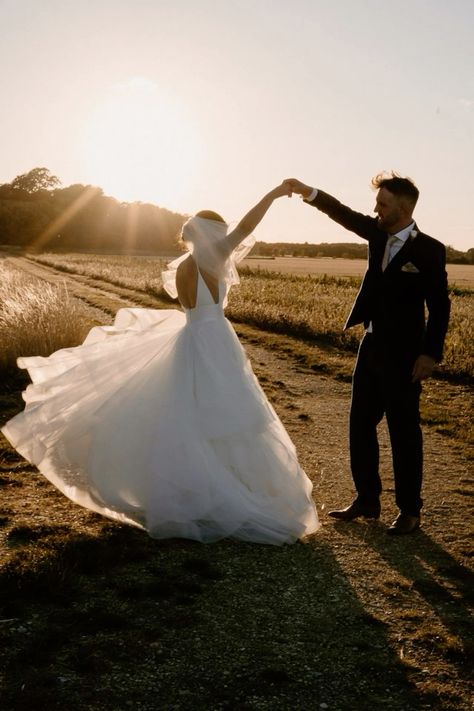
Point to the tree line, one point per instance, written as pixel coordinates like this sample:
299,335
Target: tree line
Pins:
349,250
37,214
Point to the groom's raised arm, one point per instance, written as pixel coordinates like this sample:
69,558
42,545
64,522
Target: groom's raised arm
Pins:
356,222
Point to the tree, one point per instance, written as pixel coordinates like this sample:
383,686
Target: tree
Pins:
35,181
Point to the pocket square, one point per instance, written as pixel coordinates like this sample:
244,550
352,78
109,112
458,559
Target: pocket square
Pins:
409,267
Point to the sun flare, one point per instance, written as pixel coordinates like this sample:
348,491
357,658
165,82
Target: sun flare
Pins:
140,145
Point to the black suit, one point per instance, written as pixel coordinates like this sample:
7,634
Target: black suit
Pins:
394,301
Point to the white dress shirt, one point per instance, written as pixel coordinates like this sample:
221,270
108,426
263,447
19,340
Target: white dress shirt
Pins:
402,237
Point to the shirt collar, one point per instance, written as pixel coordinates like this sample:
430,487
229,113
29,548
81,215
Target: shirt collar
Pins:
405,233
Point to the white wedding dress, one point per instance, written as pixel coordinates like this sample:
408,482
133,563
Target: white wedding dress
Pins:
158,421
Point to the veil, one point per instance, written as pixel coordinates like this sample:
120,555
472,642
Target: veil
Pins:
208,242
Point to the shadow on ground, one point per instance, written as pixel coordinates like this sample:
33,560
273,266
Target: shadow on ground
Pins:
117,620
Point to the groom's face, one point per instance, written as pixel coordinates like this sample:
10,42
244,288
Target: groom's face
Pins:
388,209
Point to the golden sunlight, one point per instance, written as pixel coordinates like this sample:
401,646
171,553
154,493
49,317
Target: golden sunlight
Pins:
139,145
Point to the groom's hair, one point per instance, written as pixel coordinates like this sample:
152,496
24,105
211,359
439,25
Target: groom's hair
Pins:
210,215
401,187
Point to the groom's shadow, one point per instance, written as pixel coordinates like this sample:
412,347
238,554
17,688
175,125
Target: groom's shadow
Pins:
264,626
428,570
307,633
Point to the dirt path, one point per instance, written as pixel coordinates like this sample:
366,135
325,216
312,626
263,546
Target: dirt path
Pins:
415,587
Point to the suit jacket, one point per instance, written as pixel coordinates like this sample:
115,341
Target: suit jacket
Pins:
394,300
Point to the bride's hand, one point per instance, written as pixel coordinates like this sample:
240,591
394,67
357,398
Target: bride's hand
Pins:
283,189
296,186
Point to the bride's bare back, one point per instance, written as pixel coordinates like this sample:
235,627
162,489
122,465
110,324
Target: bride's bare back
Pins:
186,283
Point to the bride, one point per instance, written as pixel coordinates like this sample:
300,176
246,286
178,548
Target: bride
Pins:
158,421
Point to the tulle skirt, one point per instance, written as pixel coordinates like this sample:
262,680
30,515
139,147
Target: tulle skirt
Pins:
159,421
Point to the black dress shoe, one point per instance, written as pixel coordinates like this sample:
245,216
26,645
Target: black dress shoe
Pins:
356,510
404,523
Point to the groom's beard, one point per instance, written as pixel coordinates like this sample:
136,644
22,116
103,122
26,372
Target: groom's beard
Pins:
386,223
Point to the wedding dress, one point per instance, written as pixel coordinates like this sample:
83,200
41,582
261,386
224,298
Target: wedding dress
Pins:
159,421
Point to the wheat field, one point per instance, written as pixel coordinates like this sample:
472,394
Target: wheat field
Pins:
36,318
308,306
461,275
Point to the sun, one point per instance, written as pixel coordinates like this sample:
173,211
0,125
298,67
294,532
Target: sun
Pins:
140,145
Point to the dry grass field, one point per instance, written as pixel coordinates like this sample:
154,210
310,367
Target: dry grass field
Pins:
36,318
305,305
98,617
458,274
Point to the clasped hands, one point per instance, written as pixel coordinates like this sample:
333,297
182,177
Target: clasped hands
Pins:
290,186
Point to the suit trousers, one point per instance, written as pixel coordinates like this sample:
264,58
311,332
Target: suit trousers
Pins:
382,385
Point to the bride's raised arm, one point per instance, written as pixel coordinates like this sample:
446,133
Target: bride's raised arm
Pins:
250,221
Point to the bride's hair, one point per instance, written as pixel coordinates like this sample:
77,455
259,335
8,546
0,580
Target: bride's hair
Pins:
204,214
210,215
203,236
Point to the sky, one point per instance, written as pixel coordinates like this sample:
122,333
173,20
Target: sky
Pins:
208,104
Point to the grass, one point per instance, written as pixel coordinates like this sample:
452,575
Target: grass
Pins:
263,311
39,318
459,347
307,306
142,273
36,318
98,616
459,275
95,616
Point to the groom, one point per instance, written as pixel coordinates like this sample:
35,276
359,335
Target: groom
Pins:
406,270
